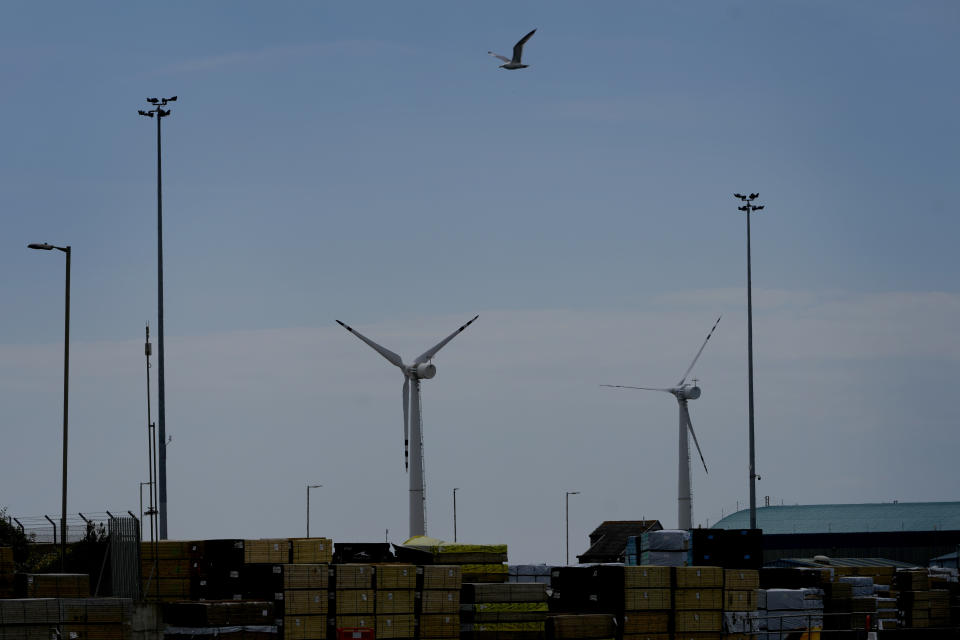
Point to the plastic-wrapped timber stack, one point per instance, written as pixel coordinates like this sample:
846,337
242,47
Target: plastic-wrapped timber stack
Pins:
529,573
170,569
697,602
740,603
863,601
667,547
6,572
793,610
438,602
507,611
219,619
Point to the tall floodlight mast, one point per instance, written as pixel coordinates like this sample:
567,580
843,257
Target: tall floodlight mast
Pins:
421,369
683,392
748,207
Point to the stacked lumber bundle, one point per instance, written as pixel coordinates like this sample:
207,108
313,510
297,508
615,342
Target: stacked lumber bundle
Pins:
169,569
52,585
667,547
740,618
6,572
353,606
529,573
697,602
438,601
792,610
478,562
913,599
311,551
585,626
305,600
647,601
863,601
394,595
507,611
79,618
727,548
219,620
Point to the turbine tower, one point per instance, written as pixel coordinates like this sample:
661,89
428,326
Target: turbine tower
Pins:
420,369
683,392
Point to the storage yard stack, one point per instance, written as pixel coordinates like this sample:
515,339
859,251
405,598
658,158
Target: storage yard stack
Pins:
514,611
587,626
539,573
6,572
789,610
838,606
223,620
667,547
946,582
353,605
478,562
727,548
395,589
438,601
647,602
740,602
697,602
170,570
261,578
913,600
52,585
78,618
863,602
305,601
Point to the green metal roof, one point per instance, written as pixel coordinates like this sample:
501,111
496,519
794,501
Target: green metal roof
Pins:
850,518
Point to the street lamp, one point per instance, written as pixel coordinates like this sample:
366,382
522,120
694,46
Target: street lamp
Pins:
455,489
160,113
310,486
749,207
569,493
66,387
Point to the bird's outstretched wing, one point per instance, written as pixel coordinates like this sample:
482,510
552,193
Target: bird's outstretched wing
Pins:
518,48
497,55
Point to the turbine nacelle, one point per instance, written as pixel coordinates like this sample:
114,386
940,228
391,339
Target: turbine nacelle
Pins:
424,370
686,392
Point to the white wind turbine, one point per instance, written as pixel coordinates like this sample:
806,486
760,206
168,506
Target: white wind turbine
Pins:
421,368
683,392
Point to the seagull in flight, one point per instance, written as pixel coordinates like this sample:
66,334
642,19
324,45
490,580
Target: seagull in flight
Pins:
517,52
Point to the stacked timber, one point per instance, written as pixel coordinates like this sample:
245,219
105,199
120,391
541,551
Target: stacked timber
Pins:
667,547
697,603
791,610
529,573
78,618
505,611
6,572
394,596
863,602
730,549
170,570
478,562
305,601
740,618
311,551
437,601
219,620
838,606
584,626
647,601
913,599
353,605
52,585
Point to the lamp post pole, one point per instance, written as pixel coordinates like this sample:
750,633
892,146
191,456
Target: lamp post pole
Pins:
310,486
66,398
455,489
160,112
748,207
569,493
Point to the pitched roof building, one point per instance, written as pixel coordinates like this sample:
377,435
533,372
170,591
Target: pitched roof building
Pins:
608,541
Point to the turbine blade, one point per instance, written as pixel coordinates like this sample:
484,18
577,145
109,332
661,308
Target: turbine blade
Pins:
429,353
386,353
406,423
697,357
623,386
686,417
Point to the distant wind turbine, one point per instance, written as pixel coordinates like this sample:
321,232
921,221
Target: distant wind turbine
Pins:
514,63
683,392
421,368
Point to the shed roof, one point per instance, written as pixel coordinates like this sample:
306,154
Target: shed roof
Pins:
850,518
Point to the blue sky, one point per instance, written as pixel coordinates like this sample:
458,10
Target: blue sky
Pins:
369,162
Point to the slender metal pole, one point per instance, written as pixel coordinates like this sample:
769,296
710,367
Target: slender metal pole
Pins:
161,396
66,397
567,517
308,511
753,474
455,513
